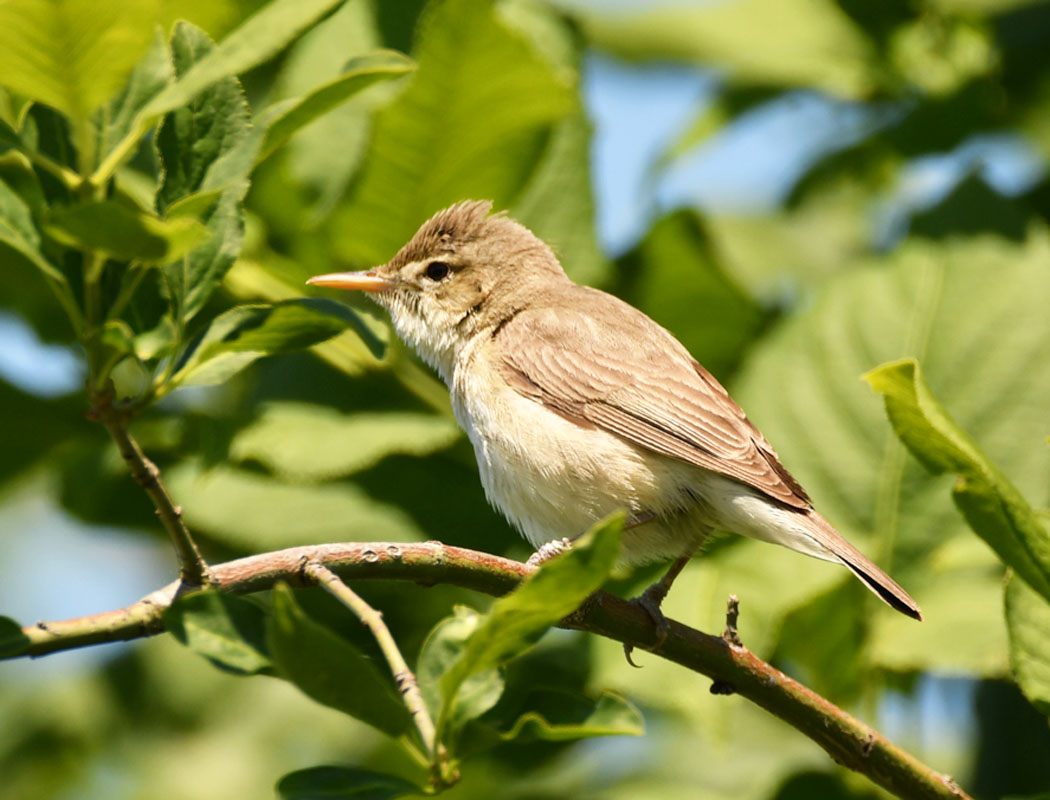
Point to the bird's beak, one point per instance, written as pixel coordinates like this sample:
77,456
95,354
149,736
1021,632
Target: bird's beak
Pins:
366,281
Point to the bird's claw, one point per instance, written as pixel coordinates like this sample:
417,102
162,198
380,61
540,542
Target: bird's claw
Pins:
549,551
649,601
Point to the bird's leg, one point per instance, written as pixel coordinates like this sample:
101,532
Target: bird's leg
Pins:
549,551
650,601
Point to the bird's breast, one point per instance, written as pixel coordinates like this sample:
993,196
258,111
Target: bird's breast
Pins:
549,476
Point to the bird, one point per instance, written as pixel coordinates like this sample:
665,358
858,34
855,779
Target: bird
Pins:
578,405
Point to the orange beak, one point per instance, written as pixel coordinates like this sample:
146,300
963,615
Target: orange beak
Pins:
366,281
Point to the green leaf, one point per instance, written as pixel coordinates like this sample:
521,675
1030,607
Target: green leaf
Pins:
227,630
974,312
681,285
469,124
333,783
995,509
514,622
329,669
557,205
255,512
444,647
124,233
206,146
149,77
1028,620
304,442
799,42
72,54
258,39
563,717
19,238
284,119
12,640
247,333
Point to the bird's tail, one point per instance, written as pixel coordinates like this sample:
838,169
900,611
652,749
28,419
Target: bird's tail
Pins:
887,589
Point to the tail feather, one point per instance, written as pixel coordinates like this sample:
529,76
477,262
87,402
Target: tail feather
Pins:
887,589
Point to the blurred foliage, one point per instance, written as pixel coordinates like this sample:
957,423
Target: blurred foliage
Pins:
237,147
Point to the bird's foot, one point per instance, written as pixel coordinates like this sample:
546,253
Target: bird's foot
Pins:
549,551
650,601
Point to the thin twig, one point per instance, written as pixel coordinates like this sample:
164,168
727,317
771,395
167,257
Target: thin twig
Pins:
192,568
373,620
846,739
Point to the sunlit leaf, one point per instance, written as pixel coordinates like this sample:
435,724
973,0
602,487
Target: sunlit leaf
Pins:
72,55
331,670
255,512
286,118
480,97
995,509
1028,619
124,233
311,443
333,783
443,647
258,39
514,622
801,42
227,630
973,312
149,77
247,333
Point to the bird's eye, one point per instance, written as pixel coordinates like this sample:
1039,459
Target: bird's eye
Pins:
438,270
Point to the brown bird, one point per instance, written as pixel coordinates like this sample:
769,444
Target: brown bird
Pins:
578,404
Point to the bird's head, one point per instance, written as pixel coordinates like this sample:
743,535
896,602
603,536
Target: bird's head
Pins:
463,272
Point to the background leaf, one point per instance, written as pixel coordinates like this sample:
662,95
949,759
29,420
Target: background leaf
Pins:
246,333
330,670
124,233
320,783
227,630
994,508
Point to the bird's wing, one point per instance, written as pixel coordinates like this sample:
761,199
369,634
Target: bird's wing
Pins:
631,378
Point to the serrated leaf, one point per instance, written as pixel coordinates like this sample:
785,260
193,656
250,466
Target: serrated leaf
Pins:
329,669
258,39
227,630
124,233
247,333
443,647
206,146
12,640
334,783
470,67
284,119
1028,621
514,622
974,312
563,717
995,509
255,512
72,54
306,442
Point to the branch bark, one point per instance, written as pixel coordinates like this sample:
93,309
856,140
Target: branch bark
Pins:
847,740
192,568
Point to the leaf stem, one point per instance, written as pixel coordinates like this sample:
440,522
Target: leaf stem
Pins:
373,620
846,739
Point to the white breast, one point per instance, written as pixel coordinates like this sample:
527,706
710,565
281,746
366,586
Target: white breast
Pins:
552,478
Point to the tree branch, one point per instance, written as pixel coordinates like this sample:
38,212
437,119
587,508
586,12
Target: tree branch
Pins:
403,675
192,568
847,740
